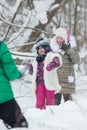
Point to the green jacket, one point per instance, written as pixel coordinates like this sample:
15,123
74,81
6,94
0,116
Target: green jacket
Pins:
8,71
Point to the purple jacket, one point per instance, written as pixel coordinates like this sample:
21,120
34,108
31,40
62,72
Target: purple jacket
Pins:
40,69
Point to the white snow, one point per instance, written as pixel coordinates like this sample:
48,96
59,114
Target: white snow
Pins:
70,115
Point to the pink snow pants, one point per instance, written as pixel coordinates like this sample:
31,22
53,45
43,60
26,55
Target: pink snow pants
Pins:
44,97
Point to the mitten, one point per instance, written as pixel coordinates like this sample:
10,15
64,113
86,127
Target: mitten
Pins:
55,63
30,68
49,67
65,47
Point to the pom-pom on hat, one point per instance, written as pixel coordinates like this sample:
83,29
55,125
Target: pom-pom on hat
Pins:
61,32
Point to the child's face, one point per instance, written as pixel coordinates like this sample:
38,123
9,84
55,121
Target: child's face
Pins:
60,40
41,51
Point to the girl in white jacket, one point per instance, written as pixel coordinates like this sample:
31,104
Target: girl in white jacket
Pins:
44,69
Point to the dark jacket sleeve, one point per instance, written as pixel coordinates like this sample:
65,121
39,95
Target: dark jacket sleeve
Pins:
8,64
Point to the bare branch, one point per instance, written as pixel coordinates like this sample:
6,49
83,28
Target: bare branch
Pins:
30,3
75,18
9,27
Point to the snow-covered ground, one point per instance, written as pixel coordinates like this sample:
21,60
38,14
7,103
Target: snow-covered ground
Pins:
70,115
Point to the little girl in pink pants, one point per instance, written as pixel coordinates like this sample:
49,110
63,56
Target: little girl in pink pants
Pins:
44,74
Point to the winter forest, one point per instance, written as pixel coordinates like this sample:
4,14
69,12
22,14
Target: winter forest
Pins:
21,23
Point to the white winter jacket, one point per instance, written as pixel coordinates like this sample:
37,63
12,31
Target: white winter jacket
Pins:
50,77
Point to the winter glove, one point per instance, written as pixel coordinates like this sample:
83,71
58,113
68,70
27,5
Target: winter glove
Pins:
49,67
30,68
65,47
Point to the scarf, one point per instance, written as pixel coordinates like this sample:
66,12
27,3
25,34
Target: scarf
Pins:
40,58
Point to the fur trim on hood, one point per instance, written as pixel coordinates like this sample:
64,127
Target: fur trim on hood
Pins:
61,32
55,47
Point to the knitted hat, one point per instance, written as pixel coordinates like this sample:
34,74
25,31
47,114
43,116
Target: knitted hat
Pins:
61,32
41,43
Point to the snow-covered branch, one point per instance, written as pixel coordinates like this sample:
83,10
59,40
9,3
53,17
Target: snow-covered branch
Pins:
30,43
23,54
19,26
